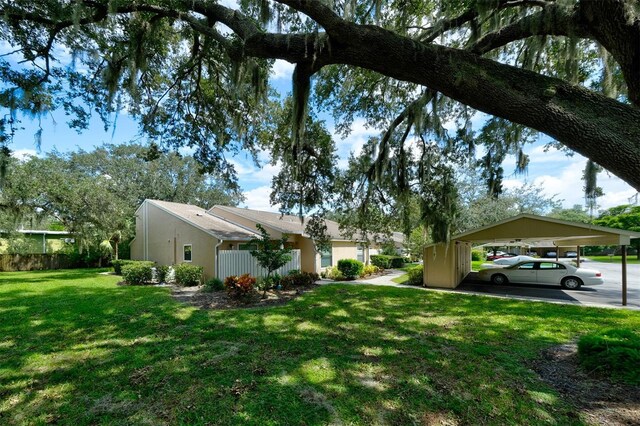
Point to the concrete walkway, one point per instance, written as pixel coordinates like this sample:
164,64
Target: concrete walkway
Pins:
385,279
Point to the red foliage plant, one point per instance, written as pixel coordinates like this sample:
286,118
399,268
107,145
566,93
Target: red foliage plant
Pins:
240,286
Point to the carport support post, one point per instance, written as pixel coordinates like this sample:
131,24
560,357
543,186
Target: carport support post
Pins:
624,275
578,258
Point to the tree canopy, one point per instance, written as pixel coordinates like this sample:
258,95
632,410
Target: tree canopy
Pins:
95,194
195,73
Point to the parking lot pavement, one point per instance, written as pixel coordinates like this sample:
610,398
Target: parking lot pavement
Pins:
608,294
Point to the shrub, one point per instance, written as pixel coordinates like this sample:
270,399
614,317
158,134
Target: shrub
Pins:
267,283
213,284
119,263
240,287
333,273
477,255
615,352
137,273
162,273
350,268
293,272
397,261
385,262
299,280
416,276
187,274
369,270
380,260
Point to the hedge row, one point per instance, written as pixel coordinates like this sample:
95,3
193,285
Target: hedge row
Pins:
384,261
140,272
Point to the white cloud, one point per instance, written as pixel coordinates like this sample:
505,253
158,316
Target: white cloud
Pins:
282,70
249,174
24,154
258,199
540,153
354,142
566,181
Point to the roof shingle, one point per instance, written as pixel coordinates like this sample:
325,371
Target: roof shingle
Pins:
197,216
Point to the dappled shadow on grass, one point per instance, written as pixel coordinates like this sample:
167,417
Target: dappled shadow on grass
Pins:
48,276
92,352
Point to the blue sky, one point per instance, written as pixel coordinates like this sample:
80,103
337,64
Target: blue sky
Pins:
556,173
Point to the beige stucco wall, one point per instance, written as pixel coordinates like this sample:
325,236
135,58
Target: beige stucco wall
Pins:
164,237
309,259
135,246
446,265
342,250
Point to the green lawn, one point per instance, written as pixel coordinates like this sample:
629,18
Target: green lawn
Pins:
402,279
77,349
476,264
614,259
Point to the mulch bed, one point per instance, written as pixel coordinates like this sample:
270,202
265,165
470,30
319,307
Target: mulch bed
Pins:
597,399
220,300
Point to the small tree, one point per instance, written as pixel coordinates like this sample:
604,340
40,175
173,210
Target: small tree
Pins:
271,255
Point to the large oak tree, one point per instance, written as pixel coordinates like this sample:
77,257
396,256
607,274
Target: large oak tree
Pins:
195,73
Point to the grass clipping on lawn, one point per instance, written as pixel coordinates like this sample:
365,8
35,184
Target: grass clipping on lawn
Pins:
77,348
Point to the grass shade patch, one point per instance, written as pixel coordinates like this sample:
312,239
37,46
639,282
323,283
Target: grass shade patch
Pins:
78,349
612,352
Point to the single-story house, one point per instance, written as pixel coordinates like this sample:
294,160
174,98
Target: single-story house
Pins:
35,241
170,233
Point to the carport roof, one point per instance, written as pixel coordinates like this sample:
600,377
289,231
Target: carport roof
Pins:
531,229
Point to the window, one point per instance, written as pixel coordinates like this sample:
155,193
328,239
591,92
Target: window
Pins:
527,266
325,258
186,255
550,265
360,253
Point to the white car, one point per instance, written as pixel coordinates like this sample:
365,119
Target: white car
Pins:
512,260
506,261
543,272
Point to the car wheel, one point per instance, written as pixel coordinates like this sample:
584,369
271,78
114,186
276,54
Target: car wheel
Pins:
571,283
499,279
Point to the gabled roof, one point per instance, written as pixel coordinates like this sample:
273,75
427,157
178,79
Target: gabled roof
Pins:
287,224
292,225
527,227
199,218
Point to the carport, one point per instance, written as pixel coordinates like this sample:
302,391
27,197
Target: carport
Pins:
447,264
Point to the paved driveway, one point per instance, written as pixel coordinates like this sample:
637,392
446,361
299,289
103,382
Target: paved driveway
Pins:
608,294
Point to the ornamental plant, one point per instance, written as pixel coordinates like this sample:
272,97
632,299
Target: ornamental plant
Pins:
350,268
162,273
187,274
299,279
269,254
240,287
416,275
137,273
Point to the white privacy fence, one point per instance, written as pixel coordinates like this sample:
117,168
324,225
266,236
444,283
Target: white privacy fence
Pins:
238,262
